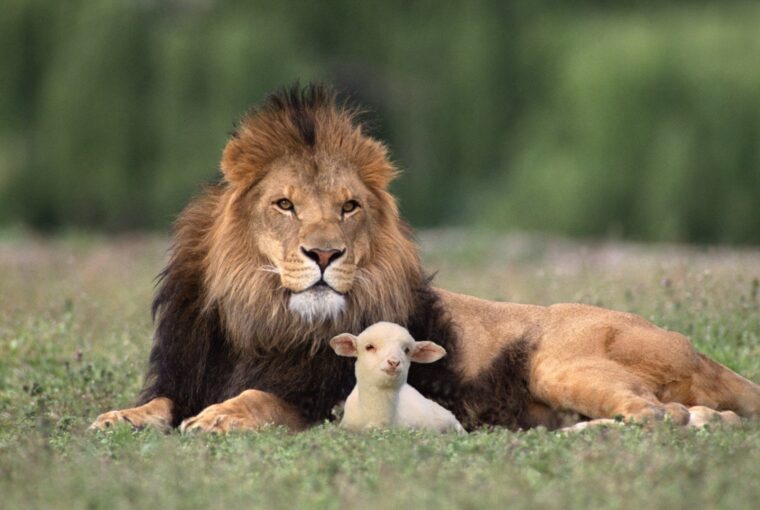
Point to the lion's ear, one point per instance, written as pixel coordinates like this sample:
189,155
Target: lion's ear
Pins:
344,345
427,352
243,160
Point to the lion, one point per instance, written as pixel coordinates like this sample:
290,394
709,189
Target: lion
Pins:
301,240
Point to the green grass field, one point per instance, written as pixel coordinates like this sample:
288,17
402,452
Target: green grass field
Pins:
74,337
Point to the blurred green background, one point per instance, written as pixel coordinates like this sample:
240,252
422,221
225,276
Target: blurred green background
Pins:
640,121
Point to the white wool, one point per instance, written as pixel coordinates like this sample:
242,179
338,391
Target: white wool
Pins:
317,304
401,408
385,400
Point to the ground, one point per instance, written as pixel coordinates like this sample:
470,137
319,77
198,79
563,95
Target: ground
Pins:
75,331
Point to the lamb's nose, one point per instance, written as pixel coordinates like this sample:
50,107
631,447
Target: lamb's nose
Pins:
393,363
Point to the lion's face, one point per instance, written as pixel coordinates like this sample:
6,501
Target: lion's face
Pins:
312,220
302,240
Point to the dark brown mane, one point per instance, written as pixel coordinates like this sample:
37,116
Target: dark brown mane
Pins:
194,364
222,326
296,120
497,397
300,105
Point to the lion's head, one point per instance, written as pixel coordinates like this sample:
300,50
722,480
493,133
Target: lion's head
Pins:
304,239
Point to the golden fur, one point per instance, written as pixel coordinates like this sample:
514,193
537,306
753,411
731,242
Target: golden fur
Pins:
303,181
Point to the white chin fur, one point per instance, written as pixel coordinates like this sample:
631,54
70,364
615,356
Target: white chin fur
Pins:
315,305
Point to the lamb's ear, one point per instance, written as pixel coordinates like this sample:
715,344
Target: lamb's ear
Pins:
344,345
427,352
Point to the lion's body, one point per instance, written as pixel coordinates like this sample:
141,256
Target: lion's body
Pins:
302,241
597,363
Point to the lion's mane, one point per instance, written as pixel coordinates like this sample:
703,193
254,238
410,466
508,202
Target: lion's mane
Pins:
222,324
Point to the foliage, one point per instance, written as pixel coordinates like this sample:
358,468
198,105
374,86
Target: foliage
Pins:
639,120
651,131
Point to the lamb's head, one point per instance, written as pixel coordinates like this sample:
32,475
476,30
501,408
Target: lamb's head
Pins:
384,352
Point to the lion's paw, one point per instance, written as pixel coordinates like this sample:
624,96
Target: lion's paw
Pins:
701,416
598,423
136,417
109,419
157,413
220,419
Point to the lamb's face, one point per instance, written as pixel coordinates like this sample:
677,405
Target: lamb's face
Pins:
384,352
384,360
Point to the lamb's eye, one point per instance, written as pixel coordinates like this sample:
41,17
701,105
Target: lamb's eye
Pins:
406,351
350,206
284,204
370,348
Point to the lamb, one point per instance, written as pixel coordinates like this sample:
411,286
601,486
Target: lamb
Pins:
382,398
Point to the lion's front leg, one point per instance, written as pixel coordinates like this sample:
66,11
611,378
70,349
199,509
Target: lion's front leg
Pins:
156,413
250,410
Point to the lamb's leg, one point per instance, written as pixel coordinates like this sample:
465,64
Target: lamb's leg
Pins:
249,410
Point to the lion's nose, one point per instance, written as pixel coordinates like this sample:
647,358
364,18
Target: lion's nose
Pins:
323,258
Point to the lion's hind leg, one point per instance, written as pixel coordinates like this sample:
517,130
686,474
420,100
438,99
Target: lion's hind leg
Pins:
717,387
601,388
605,391
699,416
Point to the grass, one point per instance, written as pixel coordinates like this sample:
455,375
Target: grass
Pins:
74,335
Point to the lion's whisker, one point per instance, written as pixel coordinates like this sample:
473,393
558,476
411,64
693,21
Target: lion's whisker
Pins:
269,269
361,278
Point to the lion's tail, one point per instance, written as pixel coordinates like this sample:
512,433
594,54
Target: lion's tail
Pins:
718,387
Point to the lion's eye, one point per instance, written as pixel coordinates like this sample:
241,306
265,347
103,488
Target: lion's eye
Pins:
369,347
284,204
350,206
